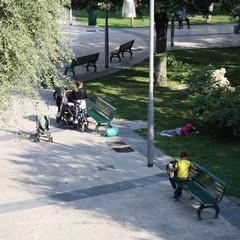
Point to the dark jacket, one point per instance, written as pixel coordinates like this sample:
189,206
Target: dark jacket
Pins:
80,94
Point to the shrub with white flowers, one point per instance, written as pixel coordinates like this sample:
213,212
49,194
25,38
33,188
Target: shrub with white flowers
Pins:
215,102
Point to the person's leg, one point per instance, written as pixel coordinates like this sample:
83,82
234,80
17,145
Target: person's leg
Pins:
177,193
173,184
171,132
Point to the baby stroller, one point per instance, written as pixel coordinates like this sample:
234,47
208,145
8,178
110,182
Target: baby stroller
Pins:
72,113
42,126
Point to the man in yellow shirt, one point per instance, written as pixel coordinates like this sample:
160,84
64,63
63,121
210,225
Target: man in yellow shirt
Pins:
182,167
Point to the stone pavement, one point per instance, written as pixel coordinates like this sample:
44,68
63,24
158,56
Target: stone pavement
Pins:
79,187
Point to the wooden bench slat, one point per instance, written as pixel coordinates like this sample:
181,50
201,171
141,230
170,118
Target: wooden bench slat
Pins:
97,117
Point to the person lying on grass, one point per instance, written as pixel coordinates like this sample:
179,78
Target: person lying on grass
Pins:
180,131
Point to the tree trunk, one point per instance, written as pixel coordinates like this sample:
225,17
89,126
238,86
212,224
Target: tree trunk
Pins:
161,23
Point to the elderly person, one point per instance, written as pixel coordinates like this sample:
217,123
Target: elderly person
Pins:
182,16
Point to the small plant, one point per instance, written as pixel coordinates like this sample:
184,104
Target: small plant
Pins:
181,76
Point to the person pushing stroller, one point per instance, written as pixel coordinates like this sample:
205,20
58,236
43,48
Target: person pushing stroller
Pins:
78,97
72,108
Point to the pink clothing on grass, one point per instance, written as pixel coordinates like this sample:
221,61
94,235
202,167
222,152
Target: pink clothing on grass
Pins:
186,130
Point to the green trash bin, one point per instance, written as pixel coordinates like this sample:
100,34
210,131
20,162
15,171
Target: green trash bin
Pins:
92,19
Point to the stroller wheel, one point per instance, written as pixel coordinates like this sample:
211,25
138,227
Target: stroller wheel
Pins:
37,138
62,122
58,119
75,126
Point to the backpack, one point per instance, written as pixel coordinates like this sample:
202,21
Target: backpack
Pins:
170,174
171,165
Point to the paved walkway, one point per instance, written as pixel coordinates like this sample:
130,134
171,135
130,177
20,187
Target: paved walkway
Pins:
86,40
79,187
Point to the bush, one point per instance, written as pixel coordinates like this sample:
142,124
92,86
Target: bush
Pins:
215,102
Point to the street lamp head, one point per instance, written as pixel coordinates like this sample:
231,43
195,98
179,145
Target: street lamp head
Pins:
128,9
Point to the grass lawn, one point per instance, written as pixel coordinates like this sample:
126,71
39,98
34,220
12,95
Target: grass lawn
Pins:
127,90
116,20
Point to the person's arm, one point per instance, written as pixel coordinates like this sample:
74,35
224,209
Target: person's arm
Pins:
173,169
193,167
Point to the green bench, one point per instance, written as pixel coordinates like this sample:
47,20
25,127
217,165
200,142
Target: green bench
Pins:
126,47
103,113
89,60
205,187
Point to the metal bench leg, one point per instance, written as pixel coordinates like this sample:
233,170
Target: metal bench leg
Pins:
115,55
65,72
69,70
130,54
217,209
199,211
97,127
87,66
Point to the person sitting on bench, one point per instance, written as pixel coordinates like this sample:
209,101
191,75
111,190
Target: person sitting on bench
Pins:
182,16
182,167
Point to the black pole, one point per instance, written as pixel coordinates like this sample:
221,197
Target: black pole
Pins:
106,39
172,31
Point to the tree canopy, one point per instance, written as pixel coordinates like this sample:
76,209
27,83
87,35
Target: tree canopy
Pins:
31,44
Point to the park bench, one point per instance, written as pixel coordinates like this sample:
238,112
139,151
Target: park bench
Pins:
126,47
89,60
103,113
205,187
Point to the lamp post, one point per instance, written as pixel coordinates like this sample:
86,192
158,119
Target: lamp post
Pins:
172,30
150,100
106,38
128,10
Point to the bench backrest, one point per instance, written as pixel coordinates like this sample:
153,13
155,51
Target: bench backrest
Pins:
104,108
214,186
126,46
92,58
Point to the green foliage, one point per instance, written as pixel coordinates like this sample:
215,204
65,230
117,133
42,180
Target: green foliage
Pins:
233,7
31,44
183,75
93,5
216,105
